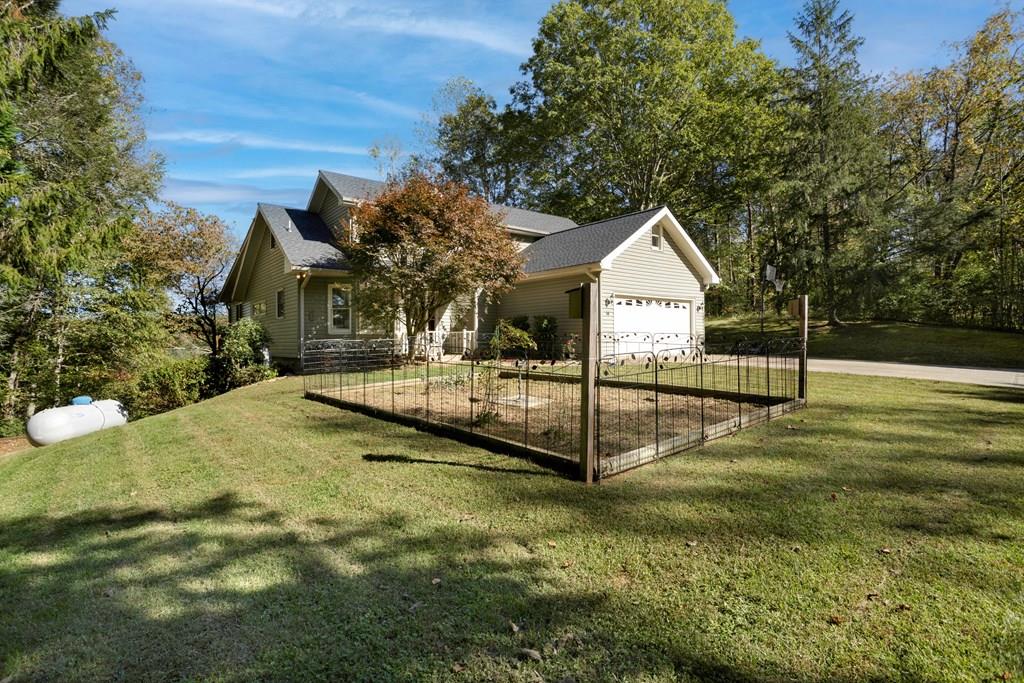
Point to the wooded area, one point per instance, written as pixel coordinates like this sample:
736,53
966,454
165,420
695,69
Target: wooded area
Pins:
98,284
883,197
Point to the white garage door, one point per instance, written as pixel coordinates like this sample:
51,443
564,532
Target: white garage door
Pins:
643,324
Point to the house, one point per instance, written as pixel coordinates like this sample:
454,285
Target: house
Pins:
651,276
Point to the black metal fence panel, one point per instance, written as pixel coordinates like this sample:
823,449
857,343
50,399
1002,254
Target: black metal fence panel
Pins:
648,403
651,405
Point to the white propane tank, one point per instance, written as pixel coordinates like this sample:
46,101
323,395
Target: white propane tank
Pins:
66,422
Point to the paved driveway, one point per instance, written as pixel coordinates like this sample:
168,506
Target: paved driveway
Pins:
941,373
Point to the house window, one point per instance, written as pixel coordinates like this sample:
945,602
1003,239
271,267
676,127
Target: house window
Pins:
280,303
656,238
339,309
238,312
273,242
259,308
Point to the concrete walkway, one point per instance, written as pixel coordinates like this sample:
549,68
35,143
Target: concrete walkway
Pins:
941,373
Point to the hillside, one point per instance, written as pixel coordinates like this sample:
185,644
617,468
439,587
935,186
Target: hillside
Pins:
877,534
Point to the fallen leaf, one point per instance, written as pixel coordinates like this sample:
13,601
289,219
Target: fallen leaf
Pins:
835,619
903,607
885,551
527,653
847,488
834,497
1006,675
515,626
567,564
796,549
793,427
435,581
872,596
458,668
551,544
691,543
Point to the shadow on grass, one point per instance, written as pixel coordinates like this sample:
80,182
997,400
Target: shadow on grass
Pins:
998,394
405,459
225,589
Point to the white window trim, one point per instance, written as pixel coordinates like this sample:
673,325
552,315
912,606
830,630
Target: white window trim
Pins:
658,232
330,309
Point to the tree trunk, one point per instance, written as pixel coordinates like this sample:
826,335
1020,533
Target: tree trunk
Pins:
10,401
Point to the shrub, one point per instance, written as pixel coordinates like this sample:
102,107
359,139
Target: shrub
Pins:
241,359
509,338
520,322
244,342
168,386
545,333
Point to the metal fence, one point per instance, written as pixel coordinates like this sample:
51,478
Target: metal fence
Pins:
651,405
647,404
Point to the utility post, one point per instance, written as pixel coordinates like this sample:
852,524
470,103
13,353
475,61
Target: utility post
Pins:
804,316
589,354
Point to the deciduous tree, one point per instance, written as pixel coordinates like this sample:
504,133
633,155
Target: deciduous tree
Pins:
425,243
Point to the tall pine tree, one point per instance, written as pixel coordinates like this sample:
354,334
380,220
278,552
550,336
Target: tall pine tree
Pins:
833,157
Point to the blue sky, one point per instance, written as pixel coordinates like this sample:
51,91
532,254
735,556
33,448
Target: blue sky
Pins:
247,98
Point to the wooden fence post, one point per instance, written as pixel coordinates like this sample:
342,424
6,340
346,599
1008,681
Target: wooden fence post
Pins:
804,314
589,354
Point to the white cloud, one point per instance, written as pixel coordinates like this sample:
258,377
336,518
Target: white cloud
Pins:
276,172
497,38
370,16
307,172
217,137
192,192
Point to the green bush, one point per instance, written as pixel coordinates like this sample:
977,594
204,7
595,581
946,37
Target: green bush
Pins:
520,322
168,386
241,358
545,333
244,342
509,338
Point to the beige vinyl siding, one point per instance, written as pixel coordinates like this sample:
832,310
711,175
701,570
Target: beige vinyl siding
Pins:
332,212
268,277
316,310
541,297
641,271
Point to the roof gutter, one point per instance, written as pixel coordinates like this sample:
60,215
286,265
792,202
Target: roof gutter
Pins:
591,270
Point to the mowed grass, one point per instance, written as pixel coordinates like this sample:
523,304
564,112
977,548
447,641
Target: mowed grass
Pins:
885,341
878,534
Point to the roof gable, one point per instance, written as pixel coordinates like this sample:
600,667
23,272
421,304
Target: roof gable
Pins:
584,244
600,243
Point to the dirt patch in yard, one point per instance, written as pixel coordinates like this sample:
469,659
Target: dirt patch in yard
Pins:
546,414
13,444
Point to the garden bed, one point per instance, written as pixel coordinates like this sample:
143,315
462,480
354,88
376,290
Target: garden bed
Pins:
542,414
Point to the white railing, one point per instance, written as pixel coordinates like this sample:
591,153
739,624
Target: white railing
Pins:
438,343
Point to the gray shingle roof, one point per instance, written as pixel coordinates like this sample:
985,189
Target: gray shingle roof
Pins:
352,187
585,243
305,238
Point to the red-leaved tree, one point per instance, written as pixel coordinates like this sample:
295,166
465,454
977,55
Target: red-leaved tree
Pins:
425,243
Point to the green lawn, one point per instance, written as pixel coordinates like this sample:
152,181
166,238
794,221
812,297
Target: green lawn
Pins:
878,534
887,341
